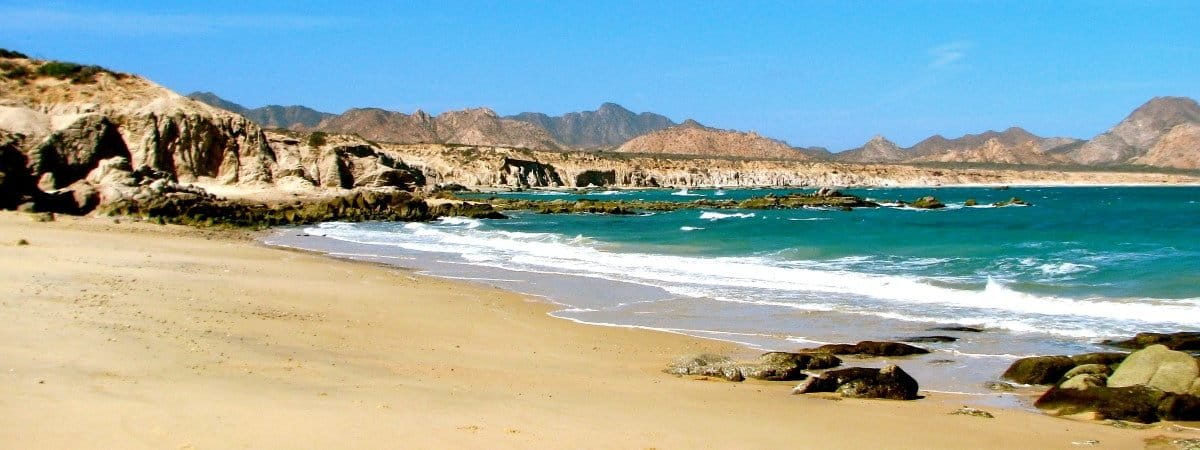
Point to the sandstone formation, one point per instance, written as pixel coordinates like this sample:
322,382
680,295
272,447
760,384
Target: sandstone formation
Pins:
692,138
608,126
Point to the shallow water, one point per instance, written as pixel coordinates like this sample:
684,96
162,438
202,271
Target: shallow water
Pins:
1079,265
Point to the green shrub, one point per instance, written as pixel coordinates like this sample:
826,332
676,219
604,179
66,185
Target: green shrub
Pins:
77,73
316,139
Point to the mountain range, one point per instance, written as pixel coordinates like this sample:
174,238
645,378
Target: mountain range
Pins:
1164,132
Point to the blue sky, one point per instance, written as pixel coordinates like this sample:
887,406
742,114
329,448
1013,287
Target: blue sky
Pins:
813,73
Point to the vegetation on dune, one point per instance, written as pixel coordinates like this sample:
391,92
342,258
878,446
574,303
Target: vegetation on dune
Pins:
6,53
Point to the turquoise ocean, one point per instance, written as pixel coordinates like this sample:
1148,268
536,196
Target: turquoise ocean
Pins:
1080,265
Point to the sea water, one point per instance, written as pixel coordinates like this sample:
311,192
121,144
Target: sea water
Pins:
1080,265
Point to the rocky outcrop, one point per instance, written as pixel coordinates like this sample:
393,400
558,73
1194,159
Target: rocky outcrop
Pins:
1151,384
890,382
694,139
1039,369
772,366
608,126
927,202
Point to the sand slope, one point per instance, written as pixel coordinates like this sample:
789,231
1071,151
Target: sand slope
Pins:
140,336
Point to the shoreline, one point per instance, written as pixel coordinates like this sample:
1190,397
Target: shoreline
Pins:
141,335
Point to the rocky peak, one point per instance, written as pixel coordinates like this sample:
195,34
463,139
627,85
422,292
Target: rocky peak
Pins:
878,149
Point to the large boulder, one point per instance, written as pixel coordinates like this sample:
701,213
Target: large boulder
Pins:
890,382
1159,367
1105,358
1187,340
869,348
1039,369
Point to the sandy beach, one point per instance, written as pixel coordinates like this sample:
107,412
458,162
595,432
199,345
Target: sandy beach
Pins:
133,335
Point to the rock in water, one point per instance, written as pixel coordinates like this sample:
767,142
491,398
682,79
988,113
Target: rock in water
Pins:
1106,358
869,348
890,382
1039,369
927,202
965,329
920,339
1010,202
1158,367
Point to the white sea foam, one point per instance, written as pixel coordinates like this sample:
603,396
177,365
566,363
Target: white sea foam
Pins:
685,193
808,219
690,228
711,215
752,279
1065,268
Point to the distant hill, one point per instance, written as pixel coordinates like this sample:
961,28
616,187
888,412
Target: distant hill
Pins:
608,126
476,126
270,116
692,138
1145,129
1011,146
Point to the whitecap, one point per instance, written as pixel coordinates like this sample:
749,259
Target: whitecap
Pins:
711,215
685,228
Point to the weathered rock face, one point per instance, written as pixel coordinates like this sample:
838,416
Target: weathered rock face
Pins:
890,382
691,138
1179,148
68,154
522,173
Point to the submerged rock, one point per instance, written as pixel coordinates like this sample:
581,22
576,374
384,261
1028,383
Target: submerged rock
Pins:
965,329
890,382
869,348
1010,202
921,339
